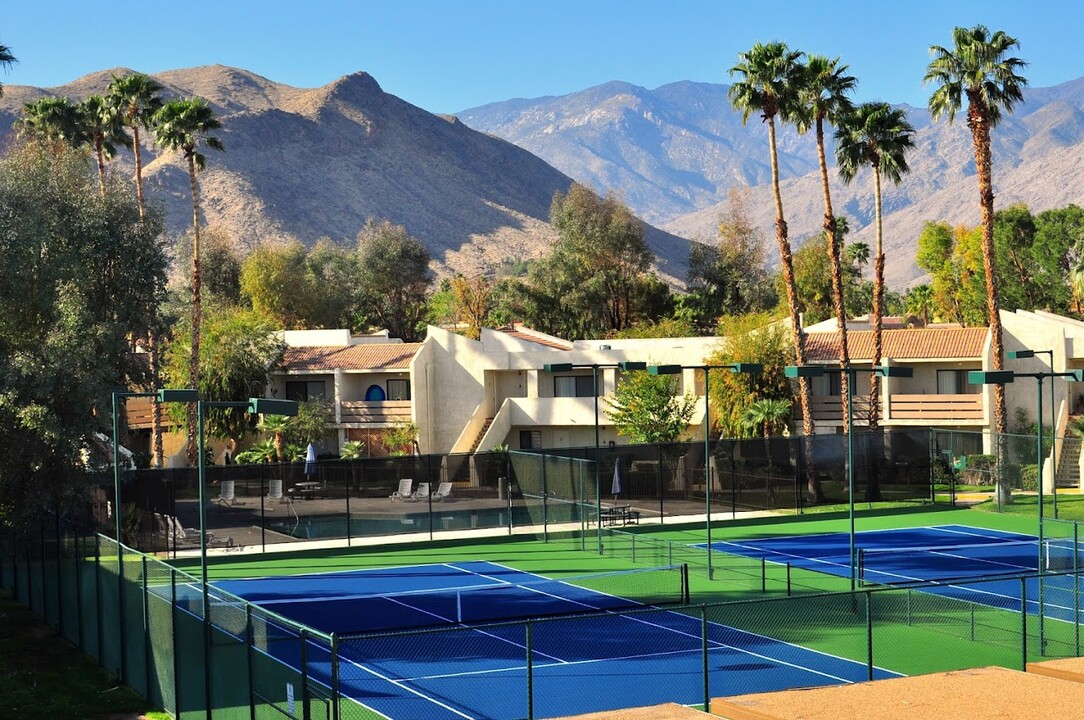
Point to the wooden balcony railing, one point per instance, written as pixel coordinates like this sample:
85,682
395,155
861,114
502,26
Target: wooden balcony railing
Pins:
935,407
137,414
829,408
375,412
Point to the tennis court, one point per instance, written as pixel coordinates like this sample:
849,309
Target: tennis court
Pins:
938,553
465,666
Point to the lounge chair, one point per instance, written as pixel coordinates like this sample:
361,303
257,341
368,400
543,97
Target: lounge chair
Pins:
443,490
227,493
188,535
403,493
164,529
422,493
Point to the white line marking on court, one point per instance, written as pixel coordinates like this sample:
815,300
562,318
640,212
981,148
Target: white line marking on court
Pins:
399,684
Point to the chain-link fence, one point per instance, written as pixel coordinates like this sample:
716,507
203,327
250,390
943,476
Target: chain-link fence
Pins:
216,656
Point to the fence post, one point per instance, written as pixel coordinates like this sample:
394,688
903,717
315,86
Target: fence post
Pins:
528,641
173,633
147,650
1023,624
335,668
704,656
788,579
349,530
305,714
869,635
763,575
59,578
1076,588
98,597
77,561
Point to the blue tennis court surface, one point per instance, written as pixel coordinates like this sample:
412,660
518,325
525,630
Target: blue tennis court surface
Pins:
952,553
579,664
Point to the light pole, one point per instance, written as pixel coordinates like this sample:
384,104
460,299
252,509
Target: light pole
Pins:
1023,355
594,367
1003,377
811,371
163,395
744,368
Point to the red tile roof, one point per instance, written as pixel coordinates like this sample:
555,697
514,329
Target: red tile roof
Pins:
909,344
383,356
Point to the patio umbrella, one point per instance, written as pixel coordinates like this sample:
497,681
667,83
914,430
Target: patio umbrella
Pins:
310,460
615,488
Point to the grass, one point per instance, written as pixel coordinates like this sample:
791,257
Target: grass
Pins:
1070,507
42,675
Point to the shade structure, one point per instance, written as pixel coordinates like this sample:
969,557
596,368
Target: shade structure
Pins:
615,487
310,460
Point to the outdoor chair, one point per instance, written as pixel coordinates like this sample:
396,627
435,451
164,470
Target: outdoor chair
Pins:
164,529
403,493
443,490
422,493
188,535
227,493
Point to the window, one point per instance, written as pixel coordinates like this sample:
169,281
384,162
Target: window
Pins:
954,382
574,386
398,389
835,383
302,390
530,439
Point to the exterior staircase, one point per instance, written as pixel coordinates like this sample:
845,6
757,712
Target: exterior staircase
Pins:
481,434
1069,463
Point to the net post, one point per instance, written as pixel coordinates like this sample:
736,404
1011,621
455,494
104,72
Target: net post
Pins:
869,636
1023,625
788,578
704,655
250,643
632,541
861,567
80,633
763,574
528,641
685,584
972,614
1076,588
335,668
148,651
909,619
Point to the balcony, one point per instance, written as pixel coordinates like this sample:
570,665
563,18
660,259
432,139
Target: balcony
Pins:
138,414
829,408
936,407
374,412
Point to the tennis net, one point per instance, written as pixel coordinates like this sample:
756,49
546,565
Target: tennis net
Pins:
480,604
1010,557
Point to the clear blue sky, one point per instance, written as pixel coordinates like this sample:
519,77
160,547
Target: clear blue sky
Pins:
456,54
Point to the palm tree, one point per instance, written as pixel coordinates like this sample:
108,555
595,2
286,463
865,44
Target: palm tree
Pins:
770,417
977,67
183,126
54,121
136,100
102,123
875,135
767,80
277,426
6,61
920,302
822,96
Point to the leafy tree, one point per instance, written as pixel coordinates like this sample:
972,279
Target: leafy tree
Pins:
331,267
310,423
977,67
392,278
136,98
401,439
278,283
754,338
768,79
813,278
823,86
672,327
646,409
729,278
221,271
184,126
80,277
474,301
874,134
237,358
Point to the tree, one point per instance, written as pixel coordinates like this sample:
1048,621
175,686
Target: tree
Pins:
474,301
183,126
823,87
6,61
310,423
646,409
53,121
136,99
221,268
240,352
919,302
874,134
768,76
278,283
813,277
102,124
977,67
277,426
392,276
754,338
67,312
769,417
729,278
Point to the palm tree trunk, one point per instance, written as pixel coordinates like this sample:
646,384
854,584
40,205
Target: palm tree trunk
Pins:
787,264
878,309
197,310
99,155
980,136
138,171
837,274
157,453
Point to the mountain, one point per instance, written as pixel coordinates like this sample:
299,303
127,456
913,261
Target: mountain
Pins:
312,163
672,153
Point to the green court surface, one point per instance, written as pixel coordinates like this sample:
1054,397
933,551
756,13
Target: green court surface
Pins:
906,631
